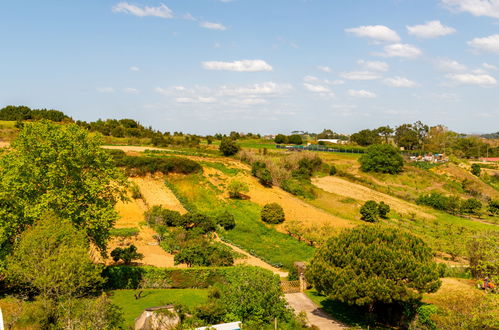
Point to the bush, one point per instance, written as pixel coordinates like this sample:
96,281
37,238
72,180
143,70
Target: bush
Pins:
471,206
236,188
299,187
438,201
382,158
493,207
280,138
260,171
295,139
228,147
383,210
124,232
332,170
164,217
126,254
197,220
369,211
226,220
141,165
204,253
272,213
135,191
475,169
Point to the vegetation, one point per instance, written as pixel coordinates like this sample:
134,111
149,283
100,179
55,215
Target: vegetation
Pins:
124,232
236,188
332,170
482,255
127,254
383,210
369,211
374,265
21,113
59,169
381,158
260,171
475,169
272,213
228,147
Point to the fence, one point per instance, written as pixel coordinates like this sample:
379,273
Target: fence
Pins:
320,148
294,286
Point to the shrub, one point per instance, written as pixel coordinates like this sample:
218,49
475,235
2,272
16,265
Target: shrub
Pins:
332,170
295,139
228,147
141,165
236,188
124,232
272,213
204,253
475,169
471,206
135,191
160,216
226,220
280,138
260,171
197,220
299,187
369,211
126,254
493,207
382,158
383,210
438,201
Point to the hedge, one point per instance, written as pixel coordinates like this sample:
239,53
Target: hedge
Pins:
148,277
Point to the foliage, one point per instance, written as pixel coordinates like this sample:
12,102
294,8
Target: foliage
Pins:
383,210
493,207
280,139
450,204
424,313
299,187
374,264
381,158
228,147
272,213
475,169
20,113
366,137
52,258
411,136
260,171
203,252
471,206
314,235
135,191
295,139
332,170
60,169
158,215
124,232
236,188
226,220
369,211
127,254
141,165
203,222
251,294
483,250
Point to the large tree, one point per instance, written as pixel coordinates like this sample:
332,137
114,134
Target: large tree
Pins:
372,264
382,158
60,169
366,137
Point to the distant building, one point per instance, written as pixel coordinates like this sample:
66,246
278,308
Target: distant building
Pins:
489,159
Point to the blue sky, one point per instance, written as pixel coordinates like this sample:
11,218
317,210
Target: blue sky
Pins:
266,66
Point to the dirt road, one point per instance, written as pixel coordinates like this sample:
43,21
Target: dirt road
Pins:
316,316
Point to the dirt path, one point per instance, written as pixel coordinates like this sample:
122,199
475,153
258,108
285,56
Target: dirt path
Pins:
316,316
346,188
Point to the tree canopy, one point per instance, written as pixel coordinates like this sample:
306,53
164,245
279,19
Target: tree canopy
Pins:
372,264
381,158
229,147
61,169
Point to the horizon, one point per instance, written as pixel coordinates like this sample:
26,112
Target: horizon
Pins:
212,66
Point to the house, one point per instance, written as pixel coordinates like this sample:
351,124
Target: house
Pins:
489,159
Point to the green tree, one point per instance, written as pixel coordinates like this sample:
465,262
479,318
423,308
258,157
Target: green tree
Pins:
493,207
236,188
381,158
280,138
371,264
385,131
295,139
228,147
226,220
407,137
366,137
127,254
60,169
475,169
53,258
369,211
383,210
272,213
483,250
471,206
332,170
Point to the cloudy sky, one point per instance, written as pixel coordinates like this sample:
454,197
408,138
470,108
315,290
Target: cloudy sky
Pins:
207,66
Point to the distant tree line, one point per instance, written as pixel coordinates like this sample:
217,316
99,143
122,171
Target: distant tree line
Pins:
20,113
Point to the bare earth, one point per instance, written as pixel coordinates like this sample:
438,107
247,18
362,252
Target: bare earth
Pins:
345,188
316,316
155,192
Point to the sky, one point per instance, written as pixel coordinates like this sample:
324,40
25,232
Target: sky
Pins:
263,66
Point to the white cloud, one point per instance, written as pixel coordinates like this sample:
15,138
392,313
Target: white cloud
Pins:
199,99
161,11
429,30
450,65
401,50
375,32
473,79
267,88
399,82
488,66
374,65
475,7
213,26
361,93
311,79
106,90
238,66
249,101
487,44
130,90
316,88
361,75
134,69
324,68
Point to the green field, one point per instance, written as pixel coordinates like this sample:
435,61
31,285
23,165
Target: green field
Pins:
132,307
7,124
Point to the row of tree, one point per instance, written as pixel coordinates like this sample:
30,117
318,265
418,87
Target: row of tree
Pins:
21,113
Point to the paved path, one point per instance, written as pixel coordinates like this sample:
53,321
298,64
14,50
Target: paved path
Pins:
316,316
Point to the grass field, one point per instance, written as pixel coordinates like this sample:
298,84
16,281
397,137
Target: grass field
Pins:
132,307
7,124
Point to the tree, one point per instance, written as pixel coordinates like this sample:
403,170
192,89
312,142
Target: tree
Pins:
53,258
236,188
272,213
127,254
202,252
228,147
475,169
407,137
226,220
280,138
381,158
482,254
471,206
60,169
369,211
366,137
493,207
295,139
332,170
383,210
385,132
372,264
260,170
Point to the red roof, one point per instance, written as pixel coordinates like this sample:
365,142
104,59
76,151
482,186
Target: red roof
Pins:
490,159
